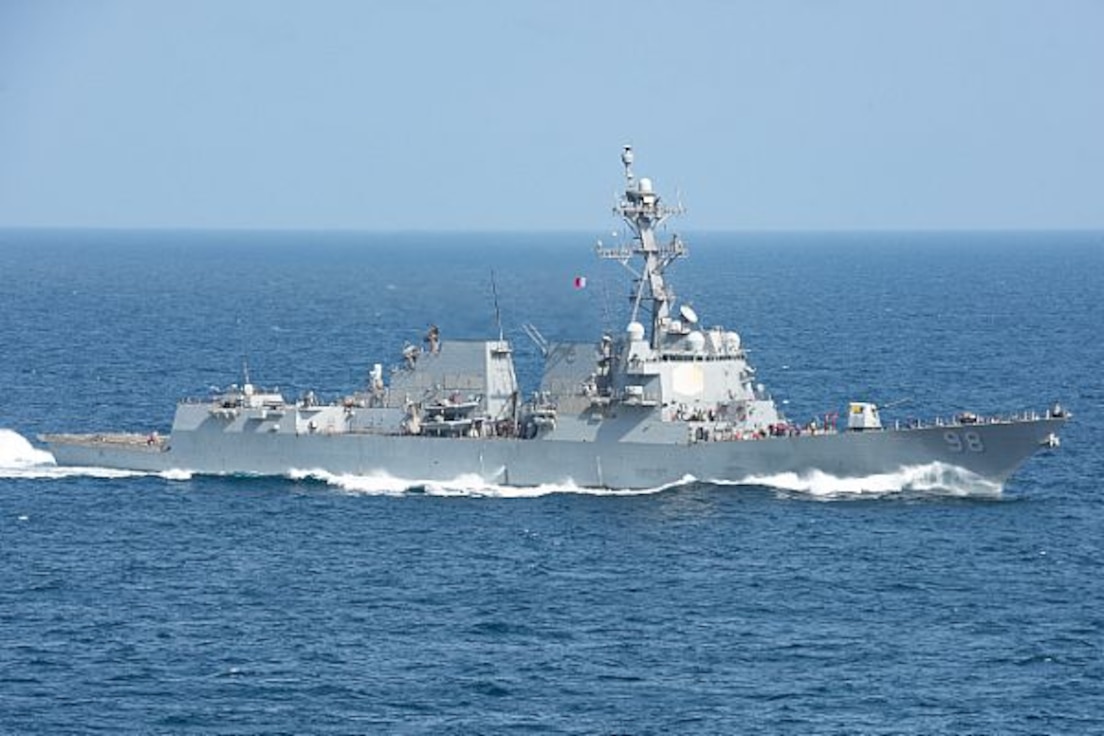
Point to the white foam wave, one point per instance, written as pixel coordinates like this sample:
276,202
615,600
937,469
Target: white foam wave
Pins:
934,478
17,453
376,483
384,484
20,459
61,472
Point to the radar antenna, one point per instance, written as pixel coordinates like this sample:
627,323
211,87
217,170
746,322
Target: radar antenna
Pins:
643,211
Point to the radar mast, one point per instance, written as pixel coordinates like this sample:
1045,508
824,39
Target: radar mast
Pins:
643,211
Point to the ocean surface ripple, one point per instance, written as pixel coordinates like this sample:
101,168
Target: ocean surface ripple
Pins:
171,603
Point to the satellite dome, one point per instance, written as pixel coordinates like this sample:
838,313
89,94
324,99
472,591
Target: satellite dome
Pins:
635,331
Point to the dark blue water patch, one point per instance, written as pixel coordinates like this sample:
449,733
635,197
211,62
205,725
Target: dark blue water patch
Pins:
610,607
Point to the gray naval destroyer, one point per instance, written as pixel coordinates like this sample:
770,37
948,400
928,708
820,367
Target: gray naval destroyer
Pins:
666,400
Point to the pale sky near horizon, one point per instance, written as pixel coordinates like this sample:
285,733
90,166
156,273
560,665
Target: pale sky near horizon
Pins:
500,115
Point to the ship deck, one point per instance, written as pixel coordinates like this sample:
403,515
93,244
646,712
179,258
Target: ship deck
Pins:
122,440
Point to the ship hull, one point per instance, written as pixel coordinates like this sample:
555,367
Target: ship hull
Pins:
991,451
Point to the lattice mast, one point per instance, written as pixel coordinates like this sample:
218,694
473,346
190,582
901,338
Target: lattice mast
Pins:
643,211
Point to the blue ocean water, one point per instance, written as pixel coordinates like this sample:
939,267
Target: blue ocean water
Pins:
148,604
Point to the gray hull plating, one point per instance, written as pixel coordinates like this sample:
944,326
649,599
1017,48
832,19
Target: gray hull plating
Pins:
995,451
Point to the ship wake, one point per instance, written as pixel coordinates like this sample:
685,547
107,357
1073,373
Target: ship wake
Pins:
383,484
931,479
934,479
20,459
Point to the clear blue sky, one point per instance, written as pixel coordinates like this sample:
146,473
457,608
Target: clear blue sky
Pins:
509,115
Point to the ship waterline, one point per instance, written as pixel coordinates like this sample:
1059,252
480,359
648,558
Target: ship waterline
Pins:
1000,448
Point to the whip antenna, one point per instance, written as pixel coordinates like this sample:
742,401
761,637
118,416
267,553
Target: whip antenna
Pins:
498,314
